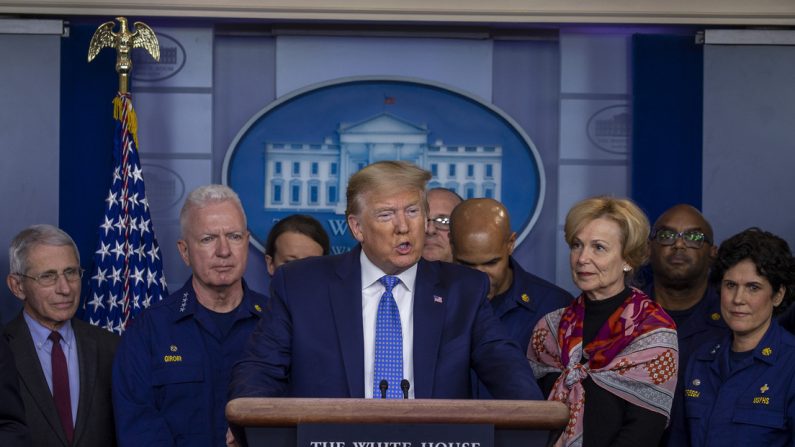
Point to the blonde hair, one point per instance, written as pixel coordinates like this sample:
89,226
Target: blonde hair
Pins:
631,220
384,176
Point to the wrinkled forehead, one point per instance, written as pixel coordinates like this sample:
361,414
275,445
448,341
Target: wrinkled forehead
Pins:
225,208
44,256
383,195
441,202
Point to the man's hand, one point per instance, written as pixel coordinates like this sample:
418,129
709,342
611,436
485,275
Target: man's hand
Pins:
230,439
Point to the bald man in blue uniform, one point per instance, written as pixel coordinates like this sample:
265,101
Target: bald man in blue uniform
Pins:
481,238
681,254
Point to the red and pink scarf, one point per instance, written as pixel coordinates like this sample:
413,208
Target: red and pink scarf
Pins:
634,356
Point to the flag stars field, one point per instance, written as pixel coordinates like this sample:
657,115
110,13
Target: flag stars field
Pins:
126,247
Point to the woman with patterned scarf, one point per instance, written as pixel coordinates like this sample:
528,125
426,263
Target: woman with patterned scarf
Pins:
611,356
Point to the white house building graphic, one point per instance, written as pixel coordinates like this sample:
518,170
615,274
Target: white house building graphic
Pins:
312,177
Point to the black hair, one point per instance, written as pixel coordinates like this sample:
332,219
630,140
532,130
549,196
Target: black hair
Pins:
770,254
298,223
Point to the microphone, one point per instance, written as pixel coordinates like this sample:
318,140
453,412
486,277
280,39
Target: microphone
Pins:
383,385
405,385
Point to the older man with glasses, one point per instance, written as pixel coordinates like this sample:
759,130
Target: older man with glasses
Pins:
441,203
64,364
682,252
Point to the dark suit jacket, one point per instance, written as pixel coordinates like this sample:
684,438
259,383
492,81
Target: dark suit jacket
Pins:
520,307
311,342
94,423
13,431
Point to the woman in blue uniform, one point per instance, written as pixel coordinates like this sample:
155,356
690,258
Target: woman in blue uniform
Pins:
741,391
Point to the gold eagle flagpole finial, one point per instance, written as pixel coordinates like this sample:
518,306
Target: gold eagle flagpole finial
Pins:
123,41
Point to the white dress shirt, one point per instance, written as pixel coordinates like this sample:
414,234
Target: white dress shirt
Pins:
403,293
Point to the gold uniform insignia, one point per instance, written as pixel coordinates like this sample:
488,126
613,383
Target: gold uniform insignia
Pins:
525,298
258,307
763,400
767,351
715,316
692,393
172,358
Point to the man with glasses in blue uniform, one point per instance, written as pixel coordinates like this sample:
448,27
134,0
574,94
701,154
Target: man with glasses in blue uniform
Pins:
682,252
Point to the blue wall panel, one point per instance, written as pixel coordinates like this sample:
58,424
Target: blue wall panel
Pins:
87,92
667,94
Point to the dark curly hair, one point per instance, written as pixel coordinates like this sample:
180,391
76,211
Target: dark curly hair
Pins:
770,254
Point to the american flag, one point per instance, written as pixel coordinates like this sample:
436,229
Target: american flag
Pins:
127,276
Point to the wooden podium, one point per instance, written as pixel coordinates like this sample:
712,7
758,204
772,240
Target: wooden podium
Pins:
274,421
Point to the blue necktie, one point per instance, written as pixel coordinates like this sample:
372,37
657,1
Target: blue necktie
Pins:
388,343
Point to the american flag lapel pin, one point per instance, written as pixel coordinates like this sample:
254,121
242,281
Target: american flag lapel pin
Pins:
438,299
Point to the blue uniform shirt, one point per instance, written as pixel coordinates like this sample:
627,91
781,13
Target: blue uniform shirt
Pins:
172,370
705,325
751,404
521,306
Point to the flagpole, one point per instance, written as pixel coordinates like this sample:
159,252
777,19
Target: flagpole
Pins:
127,275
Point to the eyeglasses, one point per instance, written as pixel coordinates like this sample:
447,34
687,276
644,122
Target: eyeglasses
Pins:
691,238
48,279
441,222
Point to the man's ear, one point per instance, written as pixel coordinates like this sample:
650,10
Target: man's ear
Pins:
512,241
14,283
713,253
356,229
182,246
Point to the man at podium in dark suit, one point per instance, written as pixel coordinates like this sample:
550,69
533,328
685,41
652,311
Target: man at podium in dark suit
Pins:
379,321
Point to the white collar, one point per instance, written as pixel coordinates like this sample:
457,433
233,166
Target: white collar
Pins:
371,273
